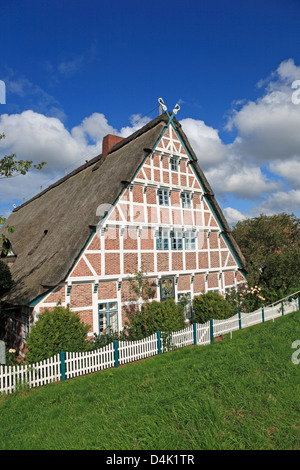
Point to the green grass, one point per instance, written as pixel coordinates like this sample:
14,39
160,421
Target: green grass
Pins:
240,393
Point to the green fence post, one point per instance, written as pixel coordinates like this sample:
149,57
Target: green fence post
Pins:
263,314
195,332
282,308
299,302
63,365
211,326
116,352
158,342
240,320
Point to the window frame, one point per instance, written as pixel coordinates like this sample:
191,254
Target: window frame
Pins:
190,240
109,324
174,164
163,197
177,240
162,240
186,200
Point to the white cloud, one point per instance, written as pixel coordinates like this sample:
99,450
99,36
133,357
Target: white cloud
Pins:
268,129
233,216
205,142
242,180
282,201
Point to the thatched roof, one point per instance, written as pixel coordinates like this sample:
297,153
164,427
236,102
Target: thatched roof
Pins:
52,228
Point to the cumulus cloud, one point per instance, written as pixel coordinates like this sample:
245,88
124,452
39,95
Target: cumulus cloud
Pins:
233,216
268,129
205,142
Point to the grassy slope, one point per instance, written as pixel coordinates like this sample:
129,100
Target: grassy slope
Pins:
240,393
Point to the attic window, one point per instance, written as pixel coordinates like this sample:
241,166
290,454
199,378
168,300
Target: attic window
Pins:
7,251
38,243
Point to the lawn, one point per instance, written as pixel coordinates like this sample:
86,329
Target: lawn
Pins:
239,393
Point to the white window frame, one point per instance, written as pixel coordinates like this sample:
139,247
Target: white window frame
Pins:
163,197
186,199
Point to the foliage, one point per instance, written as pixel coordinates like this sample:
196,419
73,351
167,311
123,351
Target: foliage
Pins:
271,246
155,316
211,305
56,330
246,299
106,338
10,167
141,287
5,278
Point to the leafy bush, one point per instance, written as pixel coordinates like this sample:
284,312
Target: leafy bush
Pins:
211,305
106,338
155,316
56,330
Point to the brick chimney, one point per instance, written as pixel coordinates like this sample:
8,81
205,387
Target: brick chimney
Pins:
108,142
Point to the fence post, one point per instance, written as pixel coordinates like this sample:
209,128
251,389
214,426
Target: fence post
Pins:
63,365
116,352
299,302
240,320
195,332
158,342
282,308
263,314
211,327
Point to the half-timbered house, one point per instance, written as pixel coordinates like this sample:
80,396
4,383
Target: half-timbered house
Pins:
145,205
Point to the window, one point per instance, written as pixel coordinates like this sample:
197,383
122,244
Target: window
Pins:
186,200
162,241
190,241
108,317
176,240
163,197
174,164
185,298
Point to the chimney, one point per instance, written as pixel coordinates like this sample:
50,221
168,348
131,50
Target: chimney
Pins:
108,142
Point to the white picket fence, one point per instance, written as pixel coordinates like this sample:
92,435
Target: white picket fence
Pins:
69,364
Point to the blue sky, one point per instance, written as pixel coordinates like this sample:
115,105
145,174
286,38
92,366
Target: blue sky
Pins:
77,70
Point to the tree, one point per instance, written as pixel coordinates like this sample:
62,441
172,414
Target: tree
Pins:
10,167
56,330
271,246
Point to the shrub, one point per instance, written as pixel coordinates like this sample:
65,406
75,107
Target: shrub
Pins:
211,305
155,316
106,338
56,330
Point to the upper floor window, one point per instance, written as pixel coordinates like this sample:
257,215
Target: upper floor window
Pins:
163,197
174,164
190,241
162,240
186,200
176,240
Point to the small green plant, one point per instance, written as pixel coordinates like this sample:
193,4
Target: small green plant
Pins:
56,330
211,305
